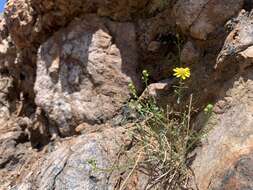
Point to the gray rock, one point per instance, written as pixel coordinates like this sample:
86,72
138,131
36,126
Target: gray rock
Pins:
69,166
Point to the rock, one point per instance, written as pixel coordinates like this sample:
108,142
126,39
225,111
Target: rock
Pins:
85,128
238,44
19,16
200,18
65,67
221,162
14,151
158,91
7,47
7,58
186,12
190,54
7,55
225,158
154,46
123,10
5,85
3,28
84,162
240,175
83,75
31,22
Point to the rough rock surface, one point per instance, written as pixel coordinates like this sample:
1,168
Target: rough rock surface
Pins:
31,22
68,165
83,74
65,67
15,151
228,146
239,42
7,59
229,142
20,21
200,18
190,54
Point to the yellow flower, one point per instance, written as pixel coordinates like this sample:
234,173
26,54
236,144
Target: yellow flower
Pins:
182,73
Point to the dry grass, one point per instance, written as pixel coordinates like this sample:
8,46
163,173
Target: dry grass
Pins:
165,140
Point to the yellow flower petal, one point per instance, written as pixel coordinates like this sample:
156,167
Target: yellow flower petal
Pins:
183,73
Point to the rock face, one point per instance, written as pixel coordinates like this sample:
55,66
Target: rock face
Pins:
203,17
31,22
68,165
239,42
65,67
228,147
190,54
82,75
20,22
62,168
7,59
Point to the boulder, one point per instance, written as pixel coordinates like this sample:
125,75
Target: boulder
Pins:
83,73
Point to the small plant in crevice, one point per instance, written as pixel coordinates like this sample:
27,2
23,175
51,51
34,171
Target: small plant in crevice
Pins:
92,162
145,76
133,90
208,109
182,74
208,112
164,139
